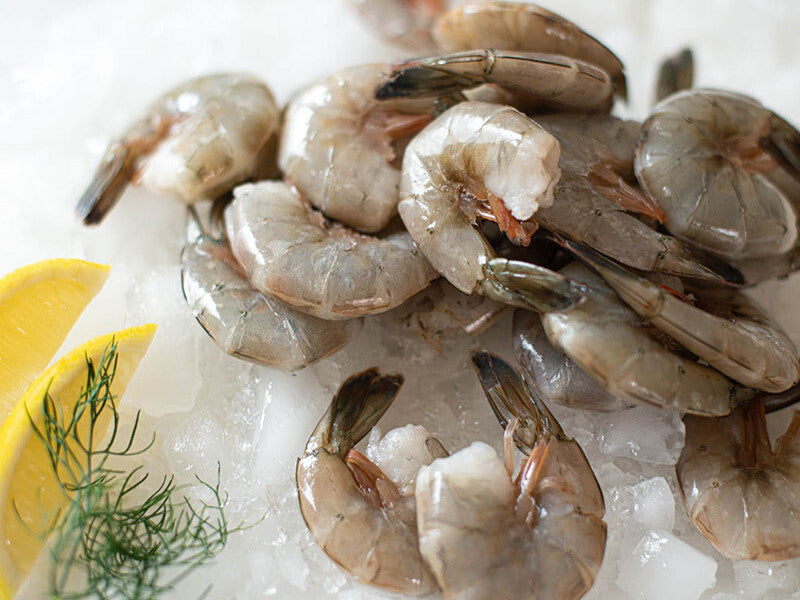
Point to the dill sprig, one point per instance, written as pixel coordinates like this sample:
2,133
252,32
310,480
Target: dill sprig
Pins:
113,539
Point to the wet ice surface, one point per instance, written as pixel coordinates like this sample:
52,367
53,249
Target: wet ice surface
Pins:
73,73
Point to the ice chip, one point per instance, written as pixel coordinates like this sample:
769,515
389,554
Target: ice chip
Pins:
645,433
400,454
195,445
663,567
761,580
169,377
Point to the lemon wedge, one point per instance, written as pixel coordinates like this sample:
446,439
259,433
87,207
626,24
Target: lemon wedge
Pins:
39,304
30,493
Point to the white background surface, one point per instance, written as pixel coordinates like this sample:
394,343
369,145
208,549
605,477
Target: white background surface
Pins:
73,73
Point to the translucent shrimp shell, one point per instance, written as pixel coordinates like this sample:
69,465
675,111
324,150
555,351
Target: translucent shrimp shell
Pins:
699,157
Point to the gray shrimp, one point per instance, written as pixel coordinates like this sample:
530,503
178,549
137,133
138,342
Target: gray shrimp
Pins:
726,329
339,145
489,535
488,161
538,80
606,339
324,269
355,512
526,27
593,201
246,323
726,172
739,491
196,141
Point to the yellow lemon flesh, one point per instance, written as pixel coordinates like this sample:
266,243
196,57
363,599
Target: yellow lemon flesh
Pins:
30,493
39,304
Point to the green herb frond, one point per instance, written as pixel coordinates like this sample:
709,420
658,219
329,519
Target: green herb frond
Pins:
114,539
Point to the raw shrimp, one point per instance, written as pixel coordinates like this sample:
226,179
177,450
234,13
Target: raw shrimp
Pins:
406,23
540,536
740,493
583,214
552,374
726,172
441,311
289,252
538,80
354,510
337,146
195,142
480,160
600,148
525,27
606,339
593,200
726,329
675,74
246,323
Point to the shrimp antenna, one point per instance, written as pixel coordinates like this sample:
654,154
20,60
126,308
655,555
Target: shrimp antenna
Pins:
510,396
358,405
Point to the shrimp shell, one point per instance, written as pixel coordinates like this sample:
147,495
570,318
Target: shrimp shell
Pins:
194,142
525,27
248,324
323,269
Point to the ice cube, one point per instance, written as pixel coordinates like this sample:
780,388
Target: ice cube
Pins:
195,446
645,433
292,406
757,580
647,505
400,454
662,567
170,369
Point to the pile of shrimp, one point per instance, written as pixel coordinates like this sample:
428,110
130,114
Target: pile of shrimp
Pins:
490,177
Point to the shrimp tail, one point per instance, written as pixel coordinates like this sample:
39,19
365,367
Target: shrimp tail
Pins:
415,80
636,290
783,146
357,406
676,73
684,261
529,286
773,402
111,178
511,398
